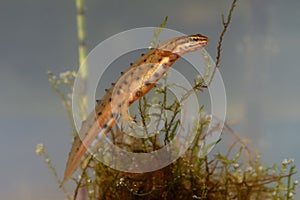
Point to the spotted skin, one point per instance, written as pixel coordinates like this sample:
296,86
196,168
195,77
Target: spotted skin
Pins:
133,83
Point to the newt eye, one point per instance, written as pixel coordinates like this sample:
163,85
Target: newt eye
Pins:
197,39
193,39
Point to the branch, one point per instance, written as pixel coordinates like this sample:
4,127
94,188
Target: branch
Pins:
219,48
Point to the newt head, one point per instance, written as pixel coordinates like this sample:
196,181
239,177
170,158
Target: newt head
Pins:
184,44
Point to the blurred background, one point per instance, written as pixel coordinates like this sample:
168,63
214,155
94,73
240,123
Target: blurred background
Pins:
259,68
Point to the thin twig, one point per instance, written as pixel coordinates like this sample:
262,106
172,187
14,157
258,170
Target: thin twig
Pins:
219,48
153,43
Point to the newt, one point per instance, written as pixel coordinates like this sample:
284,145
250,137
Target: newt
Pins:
135,82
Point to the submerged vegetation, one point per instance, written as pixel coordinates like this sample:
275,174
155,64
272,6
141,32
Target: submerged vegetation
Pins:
234,174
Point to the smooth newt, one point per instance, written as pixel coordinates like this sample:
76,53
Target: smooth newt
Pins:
134,83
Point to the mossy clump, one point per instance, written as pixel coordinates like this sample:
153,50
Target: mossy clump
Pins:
235,174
